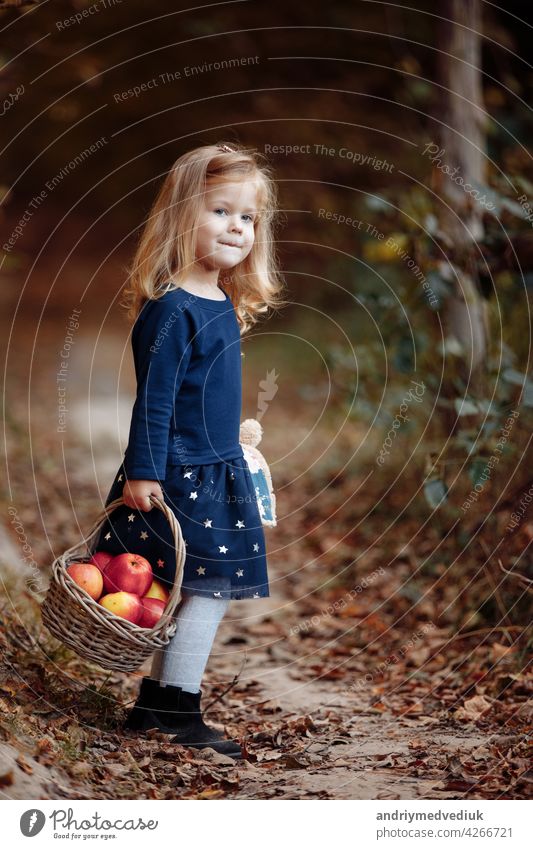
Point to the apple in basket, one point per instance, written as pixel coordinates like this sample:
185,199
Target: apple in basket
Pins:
157,590
129,573
101,559
126,605
152,610
87,576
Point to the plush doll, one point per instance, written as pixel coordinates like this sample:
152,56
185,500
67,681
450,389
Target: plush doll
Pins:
249,437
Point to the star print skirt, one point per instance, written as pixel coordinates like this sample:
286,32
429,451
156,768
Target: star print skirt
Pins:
216,507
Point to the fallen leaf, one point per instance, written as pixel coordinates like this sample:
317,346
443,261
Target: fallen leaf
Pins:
24,765
417,708
417,743
6,778
498,650
384,760
473,708
292,762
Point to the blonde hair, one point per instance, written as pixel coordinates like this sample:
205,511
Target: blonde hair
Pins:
166,249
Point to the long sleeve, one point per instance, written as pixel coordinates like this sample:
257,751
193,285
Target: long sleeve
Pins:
162,347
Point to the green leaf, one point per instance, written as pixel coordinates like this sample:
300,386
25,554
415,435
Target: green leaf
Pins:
439,287
464,407
476,470
411,591
403,356
511,375
377,204
527,396
518,378
489,427
436,492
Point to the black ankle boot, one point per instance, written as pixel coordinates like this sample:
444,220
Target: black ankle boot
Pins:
174,711
154,708
194,732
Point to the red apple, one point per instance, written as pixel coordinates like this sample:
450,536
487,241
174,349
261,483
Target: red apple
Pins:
129,573
157,590
101,559
87,576
152,610
126,605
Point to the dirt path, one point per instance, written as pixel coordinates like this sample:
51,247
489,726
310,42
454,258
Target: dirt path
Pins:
346,751
322,712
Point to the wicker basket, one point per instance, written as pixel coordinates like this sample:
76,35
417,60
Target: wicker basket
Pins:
93,632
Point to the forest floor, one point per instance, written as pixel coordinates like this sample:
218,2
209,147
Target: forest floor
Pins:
354,680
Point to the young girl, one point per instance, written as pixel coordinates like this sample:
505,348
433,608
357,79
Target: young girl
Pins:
203,272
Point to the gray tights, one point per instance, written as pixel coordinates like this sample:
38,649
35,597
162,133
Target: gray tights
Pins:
182,662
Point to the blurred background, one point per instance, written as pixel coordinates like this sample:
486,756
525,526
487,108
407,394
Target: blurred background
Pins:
399,430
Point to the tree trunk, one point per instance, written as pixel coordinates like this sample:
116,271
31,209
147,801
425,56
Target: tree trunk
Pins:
462,156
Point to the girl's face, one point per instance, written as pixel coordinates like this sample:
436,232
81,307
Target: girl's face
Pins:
225,234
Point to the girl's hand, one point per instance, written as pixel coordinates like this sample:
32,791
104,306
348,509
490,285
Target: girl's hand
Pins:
136,494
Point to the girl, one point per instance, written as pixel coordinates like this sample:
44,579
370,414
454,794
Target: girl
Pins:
203,272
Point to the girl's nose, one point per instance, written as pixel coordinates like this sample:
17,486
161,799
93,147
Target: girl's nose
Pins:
236,224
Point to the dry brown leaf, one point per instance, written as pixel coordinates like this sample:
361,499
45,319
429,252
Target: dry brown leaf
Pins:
24,765
473,708
498,650
6,778
417,743
416,708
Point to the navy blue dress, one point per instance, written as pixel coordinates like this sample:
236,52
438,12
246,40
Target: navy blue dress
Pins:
184,433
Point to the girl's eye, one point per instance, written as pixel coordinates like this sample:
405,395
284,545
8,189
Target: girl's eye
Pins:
221,209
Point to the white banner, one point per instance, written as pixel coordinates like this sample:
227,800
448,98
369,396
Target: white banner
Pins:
358,824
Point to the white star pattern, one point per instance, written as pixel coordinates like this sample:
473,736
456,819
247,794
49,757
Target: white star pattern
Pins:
240,573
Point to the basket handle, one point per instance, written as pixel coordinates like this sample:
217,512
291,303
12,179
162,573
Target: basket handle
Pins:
175,593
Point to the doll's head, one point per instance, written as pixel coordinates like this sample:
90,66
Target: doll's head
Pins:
175,237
